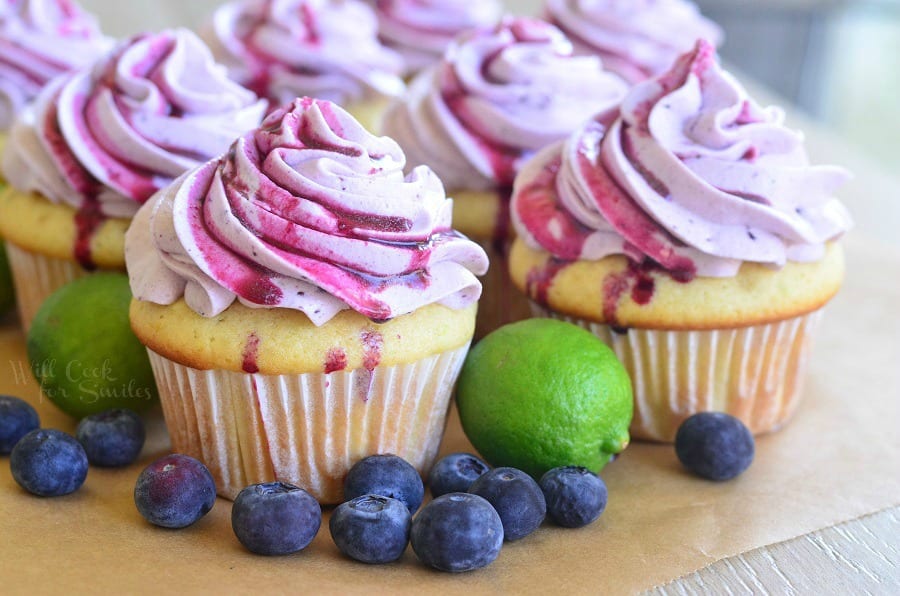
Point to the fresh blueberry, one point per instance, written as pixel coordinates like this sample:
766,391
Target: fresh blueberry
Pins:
714,445
275,518
371,528
17,419
49,463
112,438
174,491
516,497
388,476
457,532
455,473
575,496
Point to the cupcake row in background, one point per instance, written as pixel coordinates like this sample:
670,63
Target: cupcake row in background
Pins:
314,262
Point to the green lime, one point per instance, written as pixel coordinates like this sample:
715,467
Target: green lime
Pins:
7,291
543,393
83,352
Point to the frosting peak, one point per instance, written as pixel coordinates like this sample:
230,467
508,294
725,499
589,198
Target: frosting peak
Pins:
496,97
283,49
309,212
422,29
636,39
694,175
40,39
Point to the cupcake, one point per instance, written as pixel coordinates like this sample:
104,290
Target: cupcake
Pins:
39,40
694,237
637,39
327,49
304,304
420,30
97,143
497,97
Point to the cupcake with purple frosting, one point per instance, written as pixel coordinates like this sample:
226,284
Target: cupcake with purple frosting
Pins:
495,99
40,40
96,144
636,39
328,49
421,30
694,237
304,302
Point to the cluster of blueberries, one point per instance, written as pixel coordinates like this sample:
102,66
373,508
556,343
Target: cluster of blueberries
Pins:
51,463
474,509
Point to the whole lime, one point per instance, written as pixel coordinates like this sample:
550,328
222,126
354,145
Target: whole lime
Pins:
543,393
83,352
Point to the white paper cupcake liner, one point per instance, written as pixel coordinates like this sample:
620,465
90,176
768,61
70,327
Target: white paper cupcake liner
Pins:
754,373
306,429
36,276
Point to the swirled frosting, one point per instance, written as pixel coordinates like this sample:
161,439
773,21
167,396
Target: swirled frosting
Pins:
107,137
635,38
309,212
420,30
284,49
40,39
496,98
693,175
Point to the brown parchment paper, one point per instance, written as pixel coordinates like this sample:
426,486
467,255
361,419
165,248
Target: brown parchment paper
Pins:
839,459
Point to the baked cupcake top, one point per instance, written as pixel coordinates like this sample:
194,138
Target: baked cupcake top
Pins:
495,98
283,49
420,30
636,38
40,39
309,212
105,138
693,176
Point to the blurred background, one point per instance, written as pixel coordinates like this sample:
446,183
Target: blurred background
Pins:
838,60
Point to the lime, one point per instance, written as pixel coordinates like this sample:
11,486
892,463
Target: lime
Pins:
543,393
83,352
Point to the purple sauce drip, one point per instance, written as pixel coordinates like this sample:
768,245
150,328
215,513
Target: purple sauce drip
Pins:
335,360
539,280
249,363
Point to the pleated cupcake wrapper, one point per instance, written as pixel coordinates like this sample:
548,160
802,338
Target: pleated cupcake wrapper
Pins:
306,429
36,276
754,373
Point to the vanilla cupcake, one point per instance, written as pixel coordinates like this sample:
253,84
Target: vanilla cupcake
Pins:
97,143
636,39
692,236
497,97
304,304
328,49
421,30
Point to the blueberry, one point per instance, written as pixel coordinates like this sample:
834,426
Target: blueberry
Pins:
17,419
457,532
388,476
49,463
455,473
371,528
516,497
174,491
714,445
275,518
575,496
112,438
